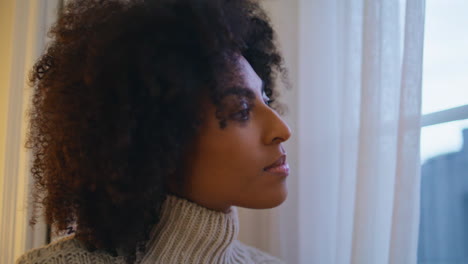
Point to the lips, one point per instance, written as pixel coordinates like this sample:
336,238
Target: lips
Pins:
277,163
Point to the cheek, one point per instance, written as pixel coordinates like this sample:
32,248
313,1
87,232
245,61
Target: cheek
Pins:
231,153
238,140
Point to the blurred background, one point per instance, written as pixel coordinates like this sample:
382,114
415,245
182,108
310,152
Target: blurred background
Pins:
379,114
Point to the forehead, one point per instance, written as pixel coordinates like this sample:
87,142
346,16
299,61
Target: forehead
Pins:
247,77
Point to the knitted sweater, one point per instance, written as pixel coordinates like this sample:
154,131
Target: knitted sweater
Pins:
186,233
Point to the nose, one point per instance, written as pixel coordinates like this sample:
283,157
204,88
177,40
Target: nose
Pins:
277,130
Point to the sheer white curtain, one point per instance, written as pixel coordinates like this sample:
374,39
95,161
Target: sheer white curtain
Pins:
357,124
359,121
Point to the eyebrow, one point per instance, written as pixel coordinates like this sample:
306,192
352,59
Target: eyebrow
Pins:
247,91
236,90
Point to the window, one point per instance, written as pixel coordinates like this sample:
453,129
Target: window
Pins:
443,233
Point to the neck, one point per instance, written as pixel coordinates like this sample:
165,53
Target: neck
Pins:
207,204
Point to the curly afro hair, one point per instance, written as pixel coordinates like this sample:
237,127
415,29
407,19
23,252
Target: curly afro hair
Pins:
116,101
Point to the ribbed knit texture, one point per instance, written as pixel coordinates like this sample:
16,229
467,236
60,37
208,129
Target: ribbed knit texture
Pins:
186,233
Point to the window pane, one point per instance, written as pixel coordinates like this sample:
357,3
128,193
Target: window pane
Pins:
443,232
445,68
441,139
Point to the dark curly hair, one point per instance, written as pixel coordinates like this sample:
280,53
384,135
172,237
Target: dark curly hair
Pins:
116,101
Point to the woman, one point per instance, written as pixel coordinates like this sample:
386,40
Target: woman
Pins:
150,121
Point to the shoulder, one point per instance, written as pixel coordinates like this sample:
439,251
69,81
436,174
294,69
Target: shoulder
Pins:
258,256
65,250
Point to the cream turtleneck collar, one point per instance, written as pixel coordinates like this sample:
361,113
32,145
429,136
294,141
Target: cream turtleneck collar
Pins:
188,232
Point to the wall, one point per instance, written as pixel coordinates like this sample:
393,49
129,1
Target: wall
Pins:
6,36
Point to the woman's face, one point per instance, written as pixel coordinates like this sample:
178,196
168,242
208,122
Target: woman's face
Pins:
226,166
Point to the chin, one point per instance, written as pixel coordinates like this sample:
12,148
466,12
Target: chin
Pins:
277,199
267,199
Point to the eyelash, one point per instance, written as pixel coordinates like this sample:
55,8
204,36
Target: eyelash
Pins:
269,102
244,113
